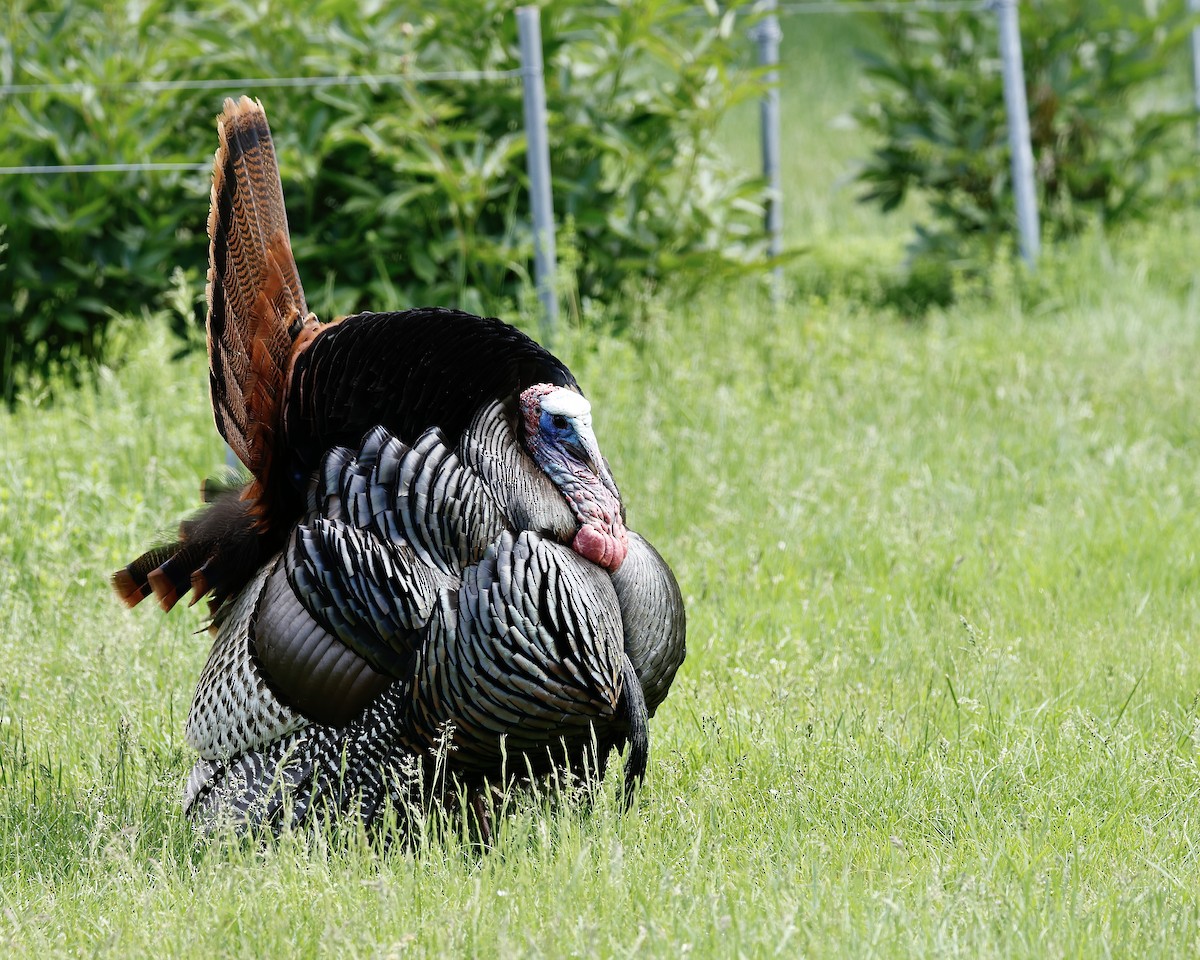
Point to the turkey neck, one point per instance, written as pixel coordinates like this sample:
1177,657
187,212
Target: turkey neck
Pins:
525,496
578,470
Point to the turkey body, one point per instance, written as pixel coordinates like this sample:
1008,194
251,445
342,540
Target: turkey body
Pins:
394,635
427,589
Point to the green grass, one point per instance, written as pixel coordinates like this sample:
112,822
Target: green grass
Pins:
941,693
941,698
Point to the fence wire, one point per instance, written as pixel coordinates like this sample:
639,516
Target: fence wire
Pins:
166,86
467,76
161,86
105,168
889,6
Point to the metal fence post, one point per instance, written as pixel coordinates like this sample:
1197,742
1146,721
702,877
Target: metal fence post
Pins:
768,35
537,161
1017,108
1194,8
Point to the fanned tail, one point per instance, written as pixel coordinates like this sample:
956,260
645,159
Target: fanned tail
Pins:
218,550
258,322
257,316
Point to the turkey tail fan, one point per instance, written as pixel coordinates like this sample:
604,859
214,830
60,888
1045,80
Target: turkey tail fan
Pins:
218,550
257,315
257,321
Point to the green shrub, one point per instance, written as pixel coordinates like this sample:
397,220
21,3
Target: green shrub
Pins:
1105,147
81,244
397,193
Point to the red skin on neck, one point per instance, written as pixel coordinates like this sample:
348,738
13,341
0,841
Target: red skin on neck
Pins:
605,547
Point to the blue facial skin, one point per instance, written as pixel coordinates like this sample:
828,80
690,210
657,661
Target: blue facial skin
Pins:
562,432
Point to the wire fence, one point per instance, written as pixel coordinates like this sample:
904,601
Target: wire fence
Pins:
530,73
104,168
888,6
239,85
166,86
767,34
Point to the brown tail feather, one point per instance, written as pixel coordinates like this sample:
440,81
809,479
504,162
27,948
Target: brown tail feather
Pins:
258,323
133,583
218,550
256,307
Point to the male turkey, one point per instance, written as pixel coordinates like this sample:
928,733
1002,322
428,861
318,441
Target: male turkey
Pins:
428,583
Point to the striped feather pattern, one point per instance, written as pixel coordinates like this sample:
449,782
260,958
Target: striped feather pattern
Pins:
509,654
234,708
304,664
355,769
652,617
374,596
252,789
528,650
528,498
430,501
256,307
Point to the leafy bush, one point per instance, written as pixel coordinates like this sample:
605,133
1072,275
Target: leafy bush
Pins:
78,243
398,193
1104,146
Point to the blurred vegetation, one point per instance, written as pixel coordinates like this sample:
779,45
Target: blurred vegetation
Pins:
397,194
416,193
1107,147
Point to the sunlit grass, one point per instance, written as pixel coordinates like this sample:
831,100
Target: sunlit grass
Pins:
942,690
941,693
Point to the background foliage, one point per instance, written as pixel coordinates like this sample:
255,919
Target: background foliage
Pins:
1105,144
397,193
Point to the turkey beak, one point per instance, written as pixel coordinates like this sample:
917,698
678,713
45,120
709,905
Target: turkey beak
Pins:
581,453
585,448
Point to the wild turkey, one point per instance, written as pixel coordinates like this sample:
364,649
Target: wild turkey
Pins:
428,584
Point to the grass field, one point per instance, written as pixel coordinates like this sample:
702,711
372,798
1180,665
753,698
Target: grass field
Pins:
941,697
